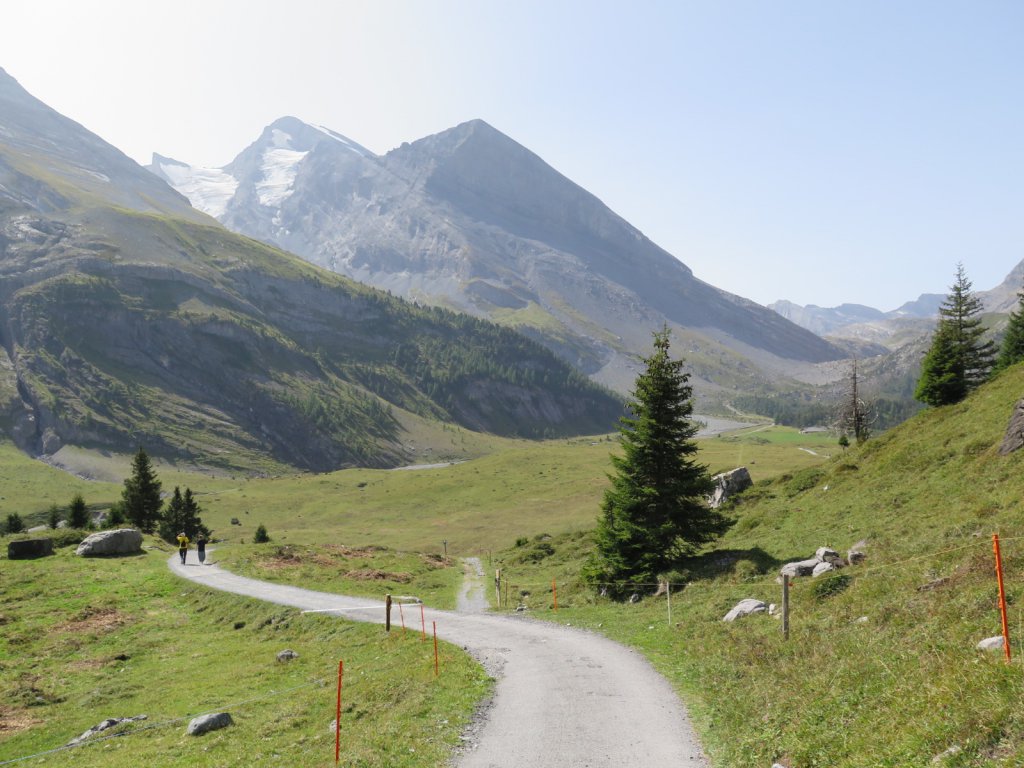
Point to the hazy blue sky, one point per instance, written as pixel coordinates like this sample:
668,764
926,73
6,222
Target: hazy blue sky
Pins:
818,151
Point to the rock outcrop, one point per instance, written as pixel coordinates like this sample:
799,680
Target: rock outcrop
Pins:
102,726
125,541
728,484
1014,438
27,549
825,560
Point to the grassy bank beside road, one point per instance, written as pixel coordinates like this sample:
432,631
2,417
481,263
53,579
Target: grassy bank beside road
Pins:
88,639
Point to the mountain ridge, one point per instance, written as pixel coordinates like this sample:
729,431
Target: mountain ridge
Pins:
470,219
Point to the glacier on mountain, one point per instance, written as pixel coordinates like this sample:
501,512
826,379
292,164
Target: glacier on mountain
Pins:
208,189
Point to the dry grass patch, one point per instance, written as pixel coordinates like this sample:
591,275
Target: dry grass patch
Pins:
350,552
94,620
372,574
15,720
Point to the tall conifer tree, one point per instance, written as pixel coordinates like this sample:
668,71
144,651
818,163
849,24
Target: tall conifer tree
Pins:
182,513
656,510
141,494
958,360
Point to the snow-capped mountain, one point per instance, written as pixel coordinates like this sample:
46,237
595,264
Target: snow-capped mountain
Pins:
472,220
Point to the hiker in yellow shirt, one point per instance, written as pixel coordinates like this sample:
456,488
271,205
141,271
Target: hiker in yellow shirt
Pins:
182,546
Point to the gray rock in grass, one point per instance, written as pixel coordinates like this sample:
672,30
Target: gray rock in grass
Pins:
206,723
991,644
745,607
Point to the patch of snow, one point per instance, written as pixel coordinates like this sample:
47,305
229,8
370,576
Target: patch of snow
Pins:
280,167
208,189
280,139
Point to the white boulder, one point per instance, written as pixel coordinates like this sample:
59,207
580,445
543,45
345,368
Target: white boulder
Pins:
745,607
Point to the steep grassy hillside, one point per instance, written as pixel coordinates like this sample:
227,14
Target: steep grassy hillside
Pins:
881,667
122,328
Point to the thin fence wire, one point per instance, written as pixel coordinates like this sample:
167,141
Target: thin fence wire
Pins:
681,587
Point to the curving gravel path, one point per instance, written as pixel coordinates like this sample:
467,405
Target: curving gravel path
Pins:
564,697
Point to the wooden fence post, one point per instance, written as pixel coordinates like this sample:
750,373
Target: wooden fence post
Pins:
387,613
785,607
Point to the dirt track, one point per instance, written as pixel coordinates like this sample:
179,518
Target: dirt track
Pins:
564,697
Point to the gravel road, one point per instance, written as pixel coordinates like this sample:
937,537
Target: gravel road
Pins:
564,697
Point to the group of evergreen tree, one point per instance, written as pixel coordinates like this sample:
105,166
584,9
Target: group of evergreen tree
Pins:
959,359
142,506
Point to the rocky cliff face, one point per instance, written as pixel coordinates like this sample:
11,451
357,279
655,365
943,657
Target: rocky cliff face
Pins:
470,219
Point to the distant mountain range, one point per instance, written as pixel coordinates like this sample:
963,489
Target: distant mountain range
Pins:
471,220
128,317
867,323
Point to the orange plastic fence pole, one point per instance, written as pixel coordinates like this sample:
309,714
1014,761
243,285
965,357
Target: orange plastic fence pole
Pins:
437,668
554,591
1002,596
401,614
337,719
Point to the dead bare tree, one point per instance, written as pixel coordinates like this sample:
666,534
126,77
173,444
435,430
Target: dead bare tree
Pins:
854,415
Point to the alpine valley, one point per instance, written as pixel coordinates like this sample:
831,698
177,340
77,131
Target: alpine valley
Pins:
128,317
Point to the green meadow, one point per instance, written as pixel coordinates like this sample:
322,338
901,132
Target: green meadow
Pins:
880,668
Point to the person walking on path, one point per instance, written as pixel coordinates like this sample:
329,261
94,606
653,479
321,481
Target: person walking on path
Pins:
201,548
182,546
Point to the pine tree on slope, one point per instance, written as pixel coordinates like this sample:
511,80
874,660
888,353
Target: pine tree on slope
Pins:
655,511
182,513
141,494
958,360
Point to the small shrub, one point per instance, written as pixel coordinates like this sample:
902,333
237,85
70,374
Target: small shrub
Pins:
538,552
14,523
261,536
78,512
115,515
827,586
522,541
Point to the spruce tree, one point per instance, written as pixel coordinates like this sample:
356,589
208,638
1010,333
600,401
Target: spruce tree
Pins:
656,509
141,494
54,517
958,360
182,513
1012,349
78,512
